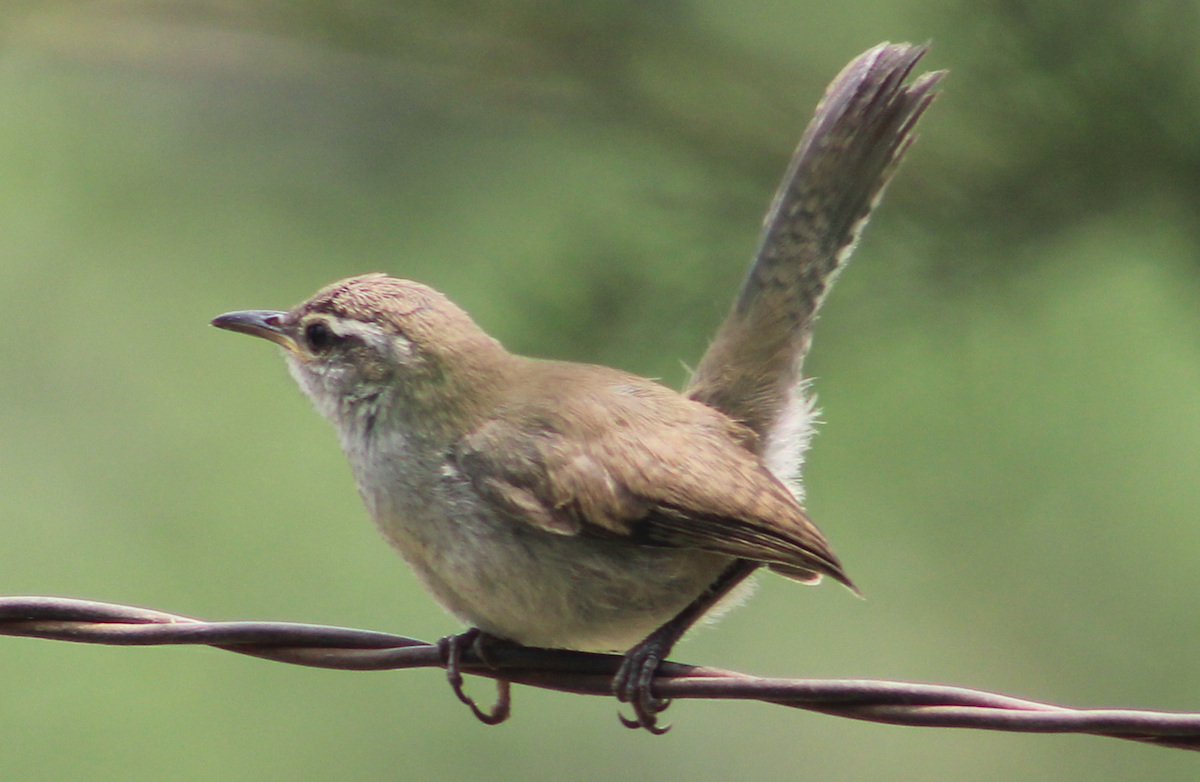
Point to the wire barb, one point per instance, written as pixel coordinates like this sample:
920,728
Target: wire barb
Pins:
586,673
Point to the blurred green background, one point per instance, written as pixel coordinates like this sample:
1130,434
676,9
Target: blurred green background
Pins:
1009,372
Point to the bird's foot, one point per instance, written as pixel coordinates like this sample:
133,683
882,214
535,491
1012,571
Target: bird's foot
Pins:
632,684
452,647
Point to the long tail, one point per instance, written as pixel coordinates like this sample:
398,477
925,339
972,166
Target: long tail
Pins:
861,129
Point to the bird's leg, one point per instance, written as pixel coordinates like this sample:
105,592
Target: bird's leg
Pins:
451,648
634,678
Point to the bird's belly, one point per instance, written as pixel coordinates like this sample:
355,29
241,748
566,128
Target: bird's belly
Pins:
542,589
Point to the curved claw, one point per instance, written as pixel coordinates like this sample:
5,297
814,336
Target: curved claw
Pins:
643,721
632,684
451,648
500,710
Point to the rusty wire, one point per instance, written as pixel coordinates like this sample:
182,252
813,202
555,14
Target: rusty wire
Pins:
584,673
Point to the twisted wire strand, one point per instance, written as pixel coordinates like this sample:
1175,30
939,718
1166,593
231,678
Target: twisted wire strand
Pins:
585,673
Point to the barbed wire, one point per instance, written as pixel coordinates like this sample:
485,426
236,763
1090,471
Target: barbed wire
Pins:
585,673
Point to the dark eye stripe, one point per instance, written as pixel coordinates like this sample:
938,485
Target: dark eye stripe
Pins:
318,336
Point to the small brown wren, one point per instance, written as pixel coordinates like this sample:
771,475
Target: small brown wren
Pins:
576,506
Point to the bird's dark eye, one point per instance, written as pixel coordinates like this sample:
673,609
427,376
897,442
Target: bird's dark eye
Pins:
318,336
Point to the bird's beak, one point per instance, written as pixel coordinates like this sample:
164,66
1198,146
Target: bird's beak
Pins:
259,323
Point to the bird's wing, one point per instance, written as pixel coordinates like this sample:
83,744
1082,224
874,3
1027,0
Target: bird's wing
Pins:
625,462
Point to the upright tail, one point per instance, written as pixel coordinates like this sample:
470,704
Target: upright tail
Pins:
860,131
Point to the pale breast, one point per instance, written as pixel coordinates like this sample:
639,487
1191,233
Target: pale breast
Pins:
528,585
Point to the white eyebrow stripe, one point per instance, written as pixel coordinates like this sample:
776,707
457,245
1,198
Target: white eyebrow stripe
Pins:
370,334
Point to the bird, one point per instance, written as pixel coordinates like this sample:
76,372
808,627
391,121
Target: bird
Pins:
569,505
